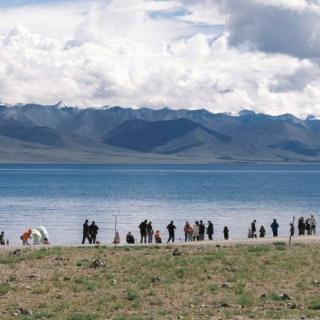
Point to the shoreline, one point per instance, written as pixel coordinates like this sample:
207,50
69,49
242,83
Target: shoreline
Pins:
296,240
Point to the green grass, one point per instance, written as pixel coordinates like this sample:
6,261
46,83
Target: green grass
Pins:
86,283
132,295
315,303
37,316
246,299
150,283
213,288
4,289
80,316
29,254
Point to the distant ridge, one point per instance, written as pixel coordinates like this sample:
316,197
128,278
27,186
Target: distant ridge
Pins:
62,133
146,136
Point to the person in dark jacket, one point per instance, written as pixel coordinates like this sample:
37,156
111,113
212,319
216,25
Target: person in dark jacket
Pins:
130,238
253,229
150,232
301,226
210,230
262,232
202,230
308,227
275,227
93,231
226,233
143,231
86,232
171,228
291,229
2,243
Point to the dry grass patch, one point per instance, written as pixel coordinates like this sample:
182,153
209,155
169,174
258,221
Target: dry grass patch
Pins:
149,283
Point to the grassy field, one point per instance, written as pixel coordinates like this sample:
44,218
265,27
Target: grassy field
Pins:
203,282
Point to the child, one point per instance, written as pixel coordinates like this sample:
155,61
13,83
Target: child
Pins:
157,237
262,232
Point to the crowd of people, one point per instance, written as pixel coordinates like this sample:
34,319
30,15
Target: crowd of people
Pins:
262,231
307,226
195,232
148,235
198,231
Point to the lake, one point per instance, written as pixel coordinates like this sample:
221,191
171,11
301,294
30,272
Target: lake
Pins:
61,196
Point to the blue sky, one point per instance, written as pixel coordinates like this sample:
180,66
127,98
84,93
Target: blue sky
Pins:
223,55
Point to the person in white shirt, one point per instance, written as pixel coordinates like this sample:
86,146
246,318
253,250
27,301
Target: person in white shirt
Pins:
195,231
312,222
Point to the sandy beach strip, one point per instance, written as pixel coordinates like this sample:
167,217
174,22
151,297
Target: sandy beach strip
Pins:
236,242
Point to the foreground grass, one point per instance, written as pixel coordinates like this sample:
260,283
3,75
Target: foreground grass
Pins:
242,282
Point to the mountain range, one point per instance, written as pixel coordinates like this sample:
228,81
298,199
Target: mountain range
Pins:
60,133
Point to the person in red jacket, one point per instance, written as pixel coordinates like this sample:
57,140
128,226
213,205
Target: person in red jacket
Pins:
187,232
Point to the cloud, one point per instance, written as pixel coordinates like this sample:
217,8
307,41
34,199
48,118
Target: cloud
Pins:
274,26
50,18
158,53
307,74
194,72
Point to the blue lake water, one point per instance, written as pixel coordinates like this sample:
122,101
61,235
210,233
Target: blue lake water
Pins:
60,197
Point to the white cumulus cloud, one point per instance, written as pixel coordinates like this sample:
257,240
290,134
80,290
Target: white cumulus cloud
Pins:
164,53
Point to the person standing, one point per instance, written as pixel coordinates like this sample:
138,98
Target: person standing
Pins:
171,229
150,232
308,227
190,232
226,233
313,224
2,243
195,232
187,232
275,227
253,229
202,230
210,230
291,229
262,232
143,231
93,231
301,226
85,232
